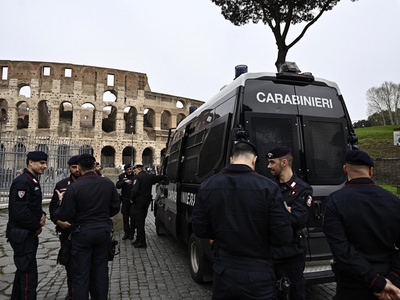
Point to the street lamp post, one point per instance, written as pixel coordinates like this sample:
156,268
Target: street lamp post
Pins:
132,144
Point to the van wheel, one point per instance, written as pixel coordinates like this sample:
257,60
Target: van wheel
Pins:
196,258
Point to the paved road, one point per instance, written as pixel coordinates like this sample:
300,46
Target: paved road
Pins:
158,272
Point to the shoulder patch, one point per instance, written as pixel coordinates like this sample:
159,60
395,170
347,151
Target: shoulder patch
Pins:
134,182
309,200
21,194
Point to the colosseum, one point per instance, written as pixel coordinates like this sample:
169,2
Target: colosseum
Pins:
113,112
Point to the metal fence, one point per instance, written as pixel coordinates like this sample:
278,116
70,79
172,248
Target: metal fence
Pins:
13,152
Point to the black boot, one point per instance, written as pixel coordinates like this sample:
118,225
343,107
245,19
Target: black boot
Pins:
131,235
126,236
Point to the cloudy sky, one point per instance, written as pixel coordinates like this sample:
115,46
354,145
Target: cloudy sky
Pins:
188,49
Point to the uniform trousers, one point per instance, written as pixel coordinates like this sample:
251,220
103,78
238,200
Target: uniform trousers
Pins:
63,239
140,213
242,278
292,268
127,215
25,246
89,261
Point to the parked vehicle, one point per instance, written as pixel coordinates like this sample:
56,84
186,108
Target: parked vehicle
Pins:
288,108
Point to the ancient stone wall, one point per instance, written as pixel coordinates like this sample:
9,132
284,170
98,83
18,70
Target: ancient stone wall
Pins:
113,109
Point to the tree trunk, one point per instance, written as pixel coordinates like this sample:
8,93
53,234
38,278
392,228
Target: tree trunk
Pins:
282,52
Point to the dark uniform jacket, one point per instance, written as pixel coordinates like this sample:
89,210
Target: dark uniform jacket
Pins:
298,195
54,206
142,185
91,200
25,202
361,224
126,189
243,212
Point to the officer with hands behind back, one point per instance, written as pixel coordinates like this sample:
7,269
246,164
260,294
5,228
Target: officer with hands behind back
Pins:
141,198
361,224
26,219
243,212
125,183
88,204
289,261
64,228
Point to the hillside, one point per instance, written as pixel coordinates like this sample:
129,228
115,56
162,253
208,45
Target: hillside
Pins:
378,141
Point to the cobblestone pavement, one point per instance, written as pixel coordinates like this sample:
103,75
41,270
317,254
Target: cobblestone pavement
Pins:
159,272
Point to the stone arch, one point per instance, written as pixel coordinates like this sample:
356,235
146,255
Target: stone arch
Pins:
165,120
147,157
130,116
109,118
66,112
25,90
87,116
128,155
179,118
148,118
85,149
110,96
44,113
180,104
108,157
3,111
19,151
63,154
22,115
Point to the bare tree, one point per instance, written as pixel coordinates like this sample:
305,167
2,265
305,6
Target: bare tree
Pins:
274,13
385,100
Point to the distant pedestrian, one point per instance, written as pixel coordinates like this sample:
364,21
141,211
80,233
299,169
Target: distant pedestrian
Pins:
125,183
289,261
141,198
243,212
26,219
361,224
97,168
64,228
88,204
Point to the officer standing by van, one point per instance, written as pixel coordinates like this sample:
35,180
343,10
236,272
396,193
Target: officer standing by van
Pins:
26,219
125,183
141,198
289,261
89,204
361,224
243,212
64,228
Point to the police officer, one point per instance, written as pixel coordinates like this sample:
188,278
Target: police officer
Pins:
243,212
125,183
88,204
64,228
289,261
26,219
361,224
141,197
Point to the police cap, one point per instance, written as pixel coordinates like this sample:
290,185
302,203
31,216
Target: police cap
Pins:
73,160
86,157
278,152
37,156
358,157
138,166
254,148
127,166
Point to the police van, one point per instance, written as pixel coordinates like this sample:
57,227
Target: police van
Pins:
288,108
